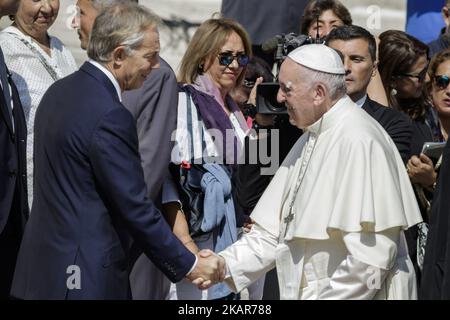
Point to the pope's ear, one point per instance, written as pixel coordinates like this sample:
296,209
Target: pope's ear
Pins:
320,92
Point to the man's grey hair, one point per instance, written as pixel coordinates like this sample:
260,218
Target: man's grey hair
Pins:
123,24
334,82
99,5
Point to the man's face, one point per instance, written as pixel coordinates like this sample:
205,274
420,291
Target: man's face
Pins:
297,94
137,66
8,7
84,21
359,67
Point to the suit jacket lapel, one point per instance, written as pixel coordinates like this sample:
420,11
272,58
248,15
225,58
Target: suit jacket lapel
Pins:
5,98
368,107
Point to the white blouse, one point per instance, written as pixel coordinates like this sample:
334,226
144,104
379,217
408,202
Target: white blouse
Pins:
33,79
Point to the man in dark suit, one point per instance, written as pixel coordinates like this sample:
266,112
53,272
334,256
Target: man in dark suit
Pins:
154,106
90,196
358,49
13,203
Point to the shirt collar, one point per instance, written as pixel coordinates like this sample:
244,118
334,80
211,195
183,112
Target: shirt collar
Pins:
110,77
361,101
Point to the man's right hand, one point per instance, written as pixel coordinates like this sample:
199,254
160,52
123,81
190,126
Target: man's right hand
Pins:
208,271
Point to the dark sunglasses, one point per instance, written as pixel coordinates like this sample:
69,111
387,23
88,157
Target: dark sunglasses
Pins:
226,58
442,82
421,76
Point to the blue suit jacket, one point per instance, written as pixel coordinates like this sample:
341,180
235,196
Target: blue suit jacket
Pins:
13,131
90,198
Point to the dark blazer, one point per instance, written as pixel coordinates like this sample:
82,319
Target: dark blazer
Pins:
436,268
13,196
13,193
90,198
154,106
396,124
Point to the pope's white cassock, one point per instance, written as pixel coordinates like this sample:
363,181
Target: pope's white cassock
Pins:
344,238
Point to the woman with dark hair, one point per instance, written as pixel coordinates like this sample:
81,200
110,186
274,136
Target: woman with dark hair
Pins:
321,16
403,64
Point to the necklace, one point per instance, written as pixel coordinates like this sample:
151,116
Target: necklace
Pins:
302,172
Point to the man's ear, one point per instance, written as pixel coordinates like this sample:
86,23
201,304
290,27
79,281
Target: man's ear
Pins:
375,69
119,55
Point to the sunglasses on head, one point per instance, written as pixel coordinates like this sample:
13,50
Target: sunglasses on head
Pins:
442,82
226,58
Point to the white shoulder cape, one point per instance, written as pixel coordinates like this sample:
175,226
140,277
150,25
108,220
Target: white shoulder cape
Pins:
355,180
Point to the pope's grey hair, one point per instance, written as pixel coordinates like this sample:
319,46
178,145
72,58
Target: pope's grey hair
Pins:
123,24
334,82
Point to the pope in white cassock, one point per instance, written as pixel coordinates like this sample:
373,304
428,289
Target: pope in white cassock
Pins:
333,217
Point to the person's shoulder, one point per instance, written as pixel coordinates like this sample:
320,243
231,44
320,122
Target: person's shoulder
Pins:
359,126
388,113
8,40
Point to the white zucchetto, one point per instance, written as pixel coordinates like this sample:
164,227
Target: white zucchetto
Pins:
318,57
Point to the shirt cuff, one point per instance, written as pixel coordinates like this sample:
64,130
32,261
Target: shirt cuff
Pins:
193,266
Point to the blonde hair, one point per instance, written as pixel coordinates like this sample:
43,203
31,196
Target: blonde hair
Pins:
206,44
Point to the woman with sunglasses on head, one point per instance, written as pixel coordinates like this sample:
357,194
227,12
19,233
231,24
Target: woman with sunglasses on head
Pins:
435,277
403,64
213,65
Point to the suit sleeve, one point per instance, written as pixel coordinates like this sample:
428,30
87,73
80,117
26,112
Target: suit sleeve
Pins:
400,130
118,173
154,106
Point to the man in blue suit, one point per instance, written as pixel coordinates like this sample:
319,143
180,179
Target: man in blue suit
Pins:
90,195
13,204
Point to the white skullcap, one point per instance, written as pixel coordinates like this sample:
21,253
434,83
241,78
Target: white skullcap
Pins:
318,57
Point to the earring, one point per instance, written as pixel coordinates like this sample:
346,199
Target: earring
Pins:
200,68
393,92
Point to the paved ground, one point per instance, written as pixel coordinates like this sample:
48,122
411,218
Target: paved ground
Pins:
376,15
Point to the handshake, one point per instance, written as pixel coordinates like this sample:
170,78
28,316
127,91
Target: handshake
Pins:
210,269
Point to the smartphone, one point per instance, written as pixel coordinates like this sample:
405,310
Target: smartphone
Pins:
433,150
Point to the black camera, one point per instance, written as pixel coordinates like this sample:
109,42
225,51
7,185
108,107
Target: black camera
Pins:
266,92
266,99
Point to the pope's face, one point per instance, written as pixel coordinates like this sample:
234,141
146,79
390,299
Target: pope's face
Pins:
297,93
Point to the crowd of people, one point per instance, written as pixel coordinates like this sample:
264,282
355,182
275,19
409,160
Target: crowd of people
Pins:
125,180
